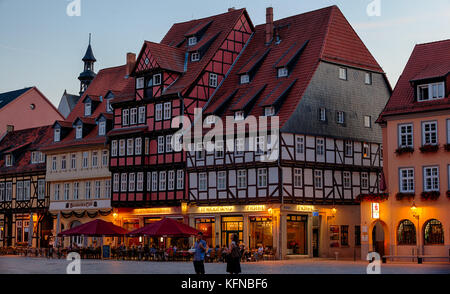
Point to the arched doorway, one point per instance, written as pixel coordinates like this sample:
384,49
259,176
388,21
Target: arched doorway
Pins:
378,238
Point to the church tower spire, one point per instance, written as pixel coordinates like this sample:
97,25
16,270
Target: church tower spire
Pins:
88,74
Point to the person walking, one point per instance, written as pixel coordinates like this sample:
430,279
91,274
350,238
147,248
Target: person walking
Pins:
199,255
234,256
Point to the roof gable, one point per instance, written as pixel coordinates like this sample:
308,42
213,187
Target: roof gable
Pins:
7,97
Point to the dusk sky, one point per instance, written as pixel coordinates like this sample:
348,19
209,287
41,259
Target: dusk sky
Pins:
40,45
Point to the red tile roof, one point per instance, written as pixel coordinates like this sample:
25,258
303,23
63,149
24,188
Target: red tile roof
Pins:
21,144
167,57
127,131
430,60
198,28
110,79
329,38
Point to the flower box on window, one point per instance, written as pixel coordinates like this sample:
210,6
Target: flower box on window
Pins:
447,147
402,196
373,197
402,150
429,148
432,195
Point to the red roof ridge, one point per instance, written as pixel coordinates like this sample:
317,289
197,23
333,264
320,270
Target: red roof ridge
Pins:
433,42
212,16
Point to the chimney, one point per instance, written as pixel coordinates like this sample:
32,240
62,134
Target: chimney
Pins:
269,25
131,60
9,128
231,9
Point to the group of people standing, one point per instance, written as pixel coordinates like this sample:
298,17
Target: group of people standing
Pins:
233,255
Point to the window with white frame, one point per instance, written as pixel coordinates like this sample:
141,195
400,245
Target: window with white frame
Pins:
108,189
26,190
121,147
19,190
76,190
340,117
260,145
157,79
347,180
432,91
348,148
298,178
180,179
41,157
105,158
448,131
161,144
202,182
368,78
140,83
431,178
133,116
239,115
195,56
87,190
169,143
221,180
213,80
364,181
131,182
85,160
147,146
63,162
149,181
95,159
57,135
130,146
318,180
116,183
299,145
79,131
240,146
125,117
109,107
162,181
269,111
158,112
87,108
167,110
192,41
34,157
322,114
56,192
102,128
262,178
406,180
41,189
283,72
367,121
219,149
366,150
97,189
123,182
138,146
429,133
405,135
154,181
54,163
66,191
245,79
8,191
171,180
2,192
343,73
320,146
211,119
200,153
242,179
141,118
140,182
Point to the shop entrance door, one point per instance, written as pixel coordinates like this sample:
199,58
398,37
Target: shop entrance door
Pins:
232,225
315,243
378,238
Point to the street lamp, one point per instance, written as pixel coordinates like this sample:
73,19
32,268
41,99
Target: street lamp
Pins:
415,213
333,211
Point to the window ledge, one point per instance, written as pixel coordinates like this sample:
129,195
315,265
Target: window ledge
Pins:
430,195
429,148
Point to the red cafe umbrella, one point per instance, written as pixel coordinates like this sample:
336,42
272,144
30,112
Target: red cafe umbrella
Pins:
166,227
95,228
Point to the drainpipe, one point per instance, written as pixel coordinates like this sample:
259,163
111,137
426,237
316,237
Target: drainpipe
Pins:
280,229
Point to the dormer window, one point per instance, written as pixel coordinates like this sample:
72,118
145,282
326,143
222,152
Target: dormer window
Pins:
340,117
427,92
283,72
210,120
343,73
57,137
192,41
157,79
195,56
213,80
79,131
8,160
87,108
139,83
239,115
245,79
109,108
102,128
269,111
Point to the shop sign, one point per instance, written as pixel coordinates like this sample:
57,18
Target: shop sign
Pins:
149,211
300,208
376,210
228,209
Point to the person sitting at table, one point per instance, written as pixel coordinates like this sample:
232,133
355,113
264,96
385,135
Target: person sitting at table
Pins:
260,252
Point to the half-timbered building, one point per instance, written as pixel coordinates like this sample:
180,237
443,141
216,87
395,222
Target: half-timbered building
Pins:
24,218
313,74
